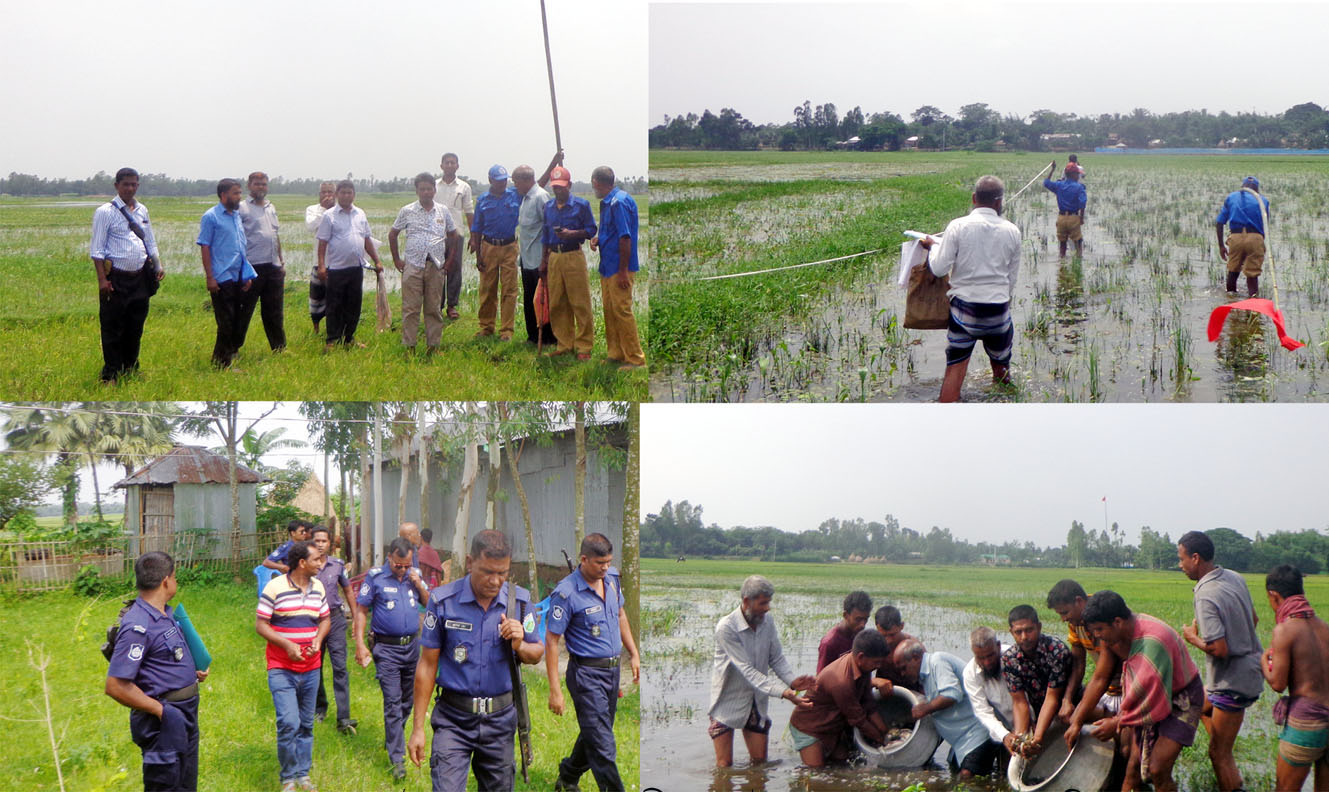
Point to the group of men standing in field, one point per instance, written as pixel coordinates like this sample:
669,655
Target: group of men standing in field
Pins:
513,228
1145,694
980,253
458,641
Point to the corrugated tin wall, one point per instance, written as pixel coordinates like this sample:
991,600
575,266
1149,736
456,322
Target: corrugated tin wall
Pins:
548,475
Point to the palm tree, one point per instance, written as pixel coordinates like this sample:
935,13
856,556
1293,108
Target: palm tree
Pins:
65,432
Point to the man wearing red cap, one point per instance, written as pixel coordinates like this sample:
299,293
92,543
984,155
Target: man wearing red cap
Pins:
568,223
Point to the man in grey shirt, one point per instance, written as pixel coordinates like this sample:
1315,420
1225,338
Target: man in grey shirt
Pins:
747,653
1224,629
263,249
530,234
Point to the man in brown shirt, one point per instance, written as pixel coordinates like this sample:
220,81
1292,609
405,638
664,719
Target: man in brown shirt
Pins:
842,700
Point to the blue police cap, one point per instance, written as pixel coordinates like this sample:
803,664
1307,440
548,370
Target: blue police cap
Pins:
498,173
1249,181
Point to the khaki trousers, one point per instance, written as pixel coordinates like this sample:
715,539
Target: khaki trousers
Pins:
422,288
620,325
570,302
1245,252
500,265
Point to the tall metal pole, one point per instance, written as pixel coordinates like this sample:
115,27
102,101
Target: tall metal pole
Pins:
549,65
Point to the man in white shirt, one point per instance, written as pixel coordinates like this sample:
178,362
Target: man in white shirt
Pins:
119,256
747,653
455,194
986,689
981,253
318,287
343,241
431,242
263,249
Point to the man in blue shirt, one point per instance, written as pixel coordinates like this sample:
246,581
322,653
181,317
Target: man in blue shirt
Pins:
472,627
337,589
568,223
617,242
941,675
587,607
494,242
1244,251
221,240
152,672
394,593
1071,199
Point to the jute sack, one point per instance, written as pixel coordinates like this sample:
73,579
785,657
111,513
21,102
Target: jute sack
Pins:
925,304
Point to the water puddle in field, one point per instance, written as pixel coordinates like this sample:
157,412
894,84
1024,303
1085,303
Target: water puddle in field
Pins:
676,753
1126,323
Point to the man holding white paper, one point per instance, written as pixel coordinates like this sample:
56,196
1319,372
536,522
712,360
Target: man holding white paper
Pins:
981,253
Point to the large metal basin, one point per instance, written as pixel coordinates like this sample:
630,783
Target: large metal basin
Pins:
912,752
1056,769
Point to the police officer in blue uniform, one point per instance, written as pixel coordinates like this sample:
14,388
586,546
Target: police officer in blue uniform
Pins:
340,599
586,609
152,672
297,531
471,625
394,593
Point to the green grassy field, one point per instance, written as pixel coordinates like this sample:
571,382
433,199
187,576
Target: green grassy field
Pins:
238,748
985,592
50,343
1125,324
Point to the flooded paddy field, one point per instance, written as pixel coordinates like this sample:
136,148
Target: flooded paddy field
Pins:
1126,323
681,603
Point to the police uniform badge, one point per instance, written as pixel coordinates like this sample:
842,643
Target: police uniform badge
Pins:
364,589
179,653
558,613
136,652
459,654
595,630
528,624
392,604
430,621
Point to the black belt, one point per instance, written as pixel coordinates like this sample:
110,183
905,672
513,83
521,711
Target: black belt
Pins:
395,640
1069,213
183,694
596,662
565,247
127,273
476,705
498,242
1244,229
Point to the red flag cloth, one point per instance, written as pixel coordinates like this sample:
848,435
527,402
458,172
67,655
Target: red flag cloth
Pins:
1257,305
542,303
1294,607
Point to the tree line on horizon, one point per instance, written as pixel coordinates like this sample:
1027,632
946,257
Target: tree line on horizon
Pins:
978,127
678,530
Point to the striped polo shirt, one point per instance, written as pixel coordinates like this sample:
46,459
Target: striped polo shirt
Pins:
294,614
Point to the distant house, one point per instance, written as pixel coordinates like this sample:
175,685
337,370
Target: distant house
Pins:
910,142
1061,140
181,503
854,143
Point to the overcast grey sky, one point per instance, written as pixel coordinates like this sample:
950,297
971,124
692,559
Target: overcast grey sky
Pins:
993,472
319,89
1076,56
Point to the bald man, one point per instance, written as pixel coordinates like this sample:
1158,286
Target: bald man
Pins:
981,253
411,533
